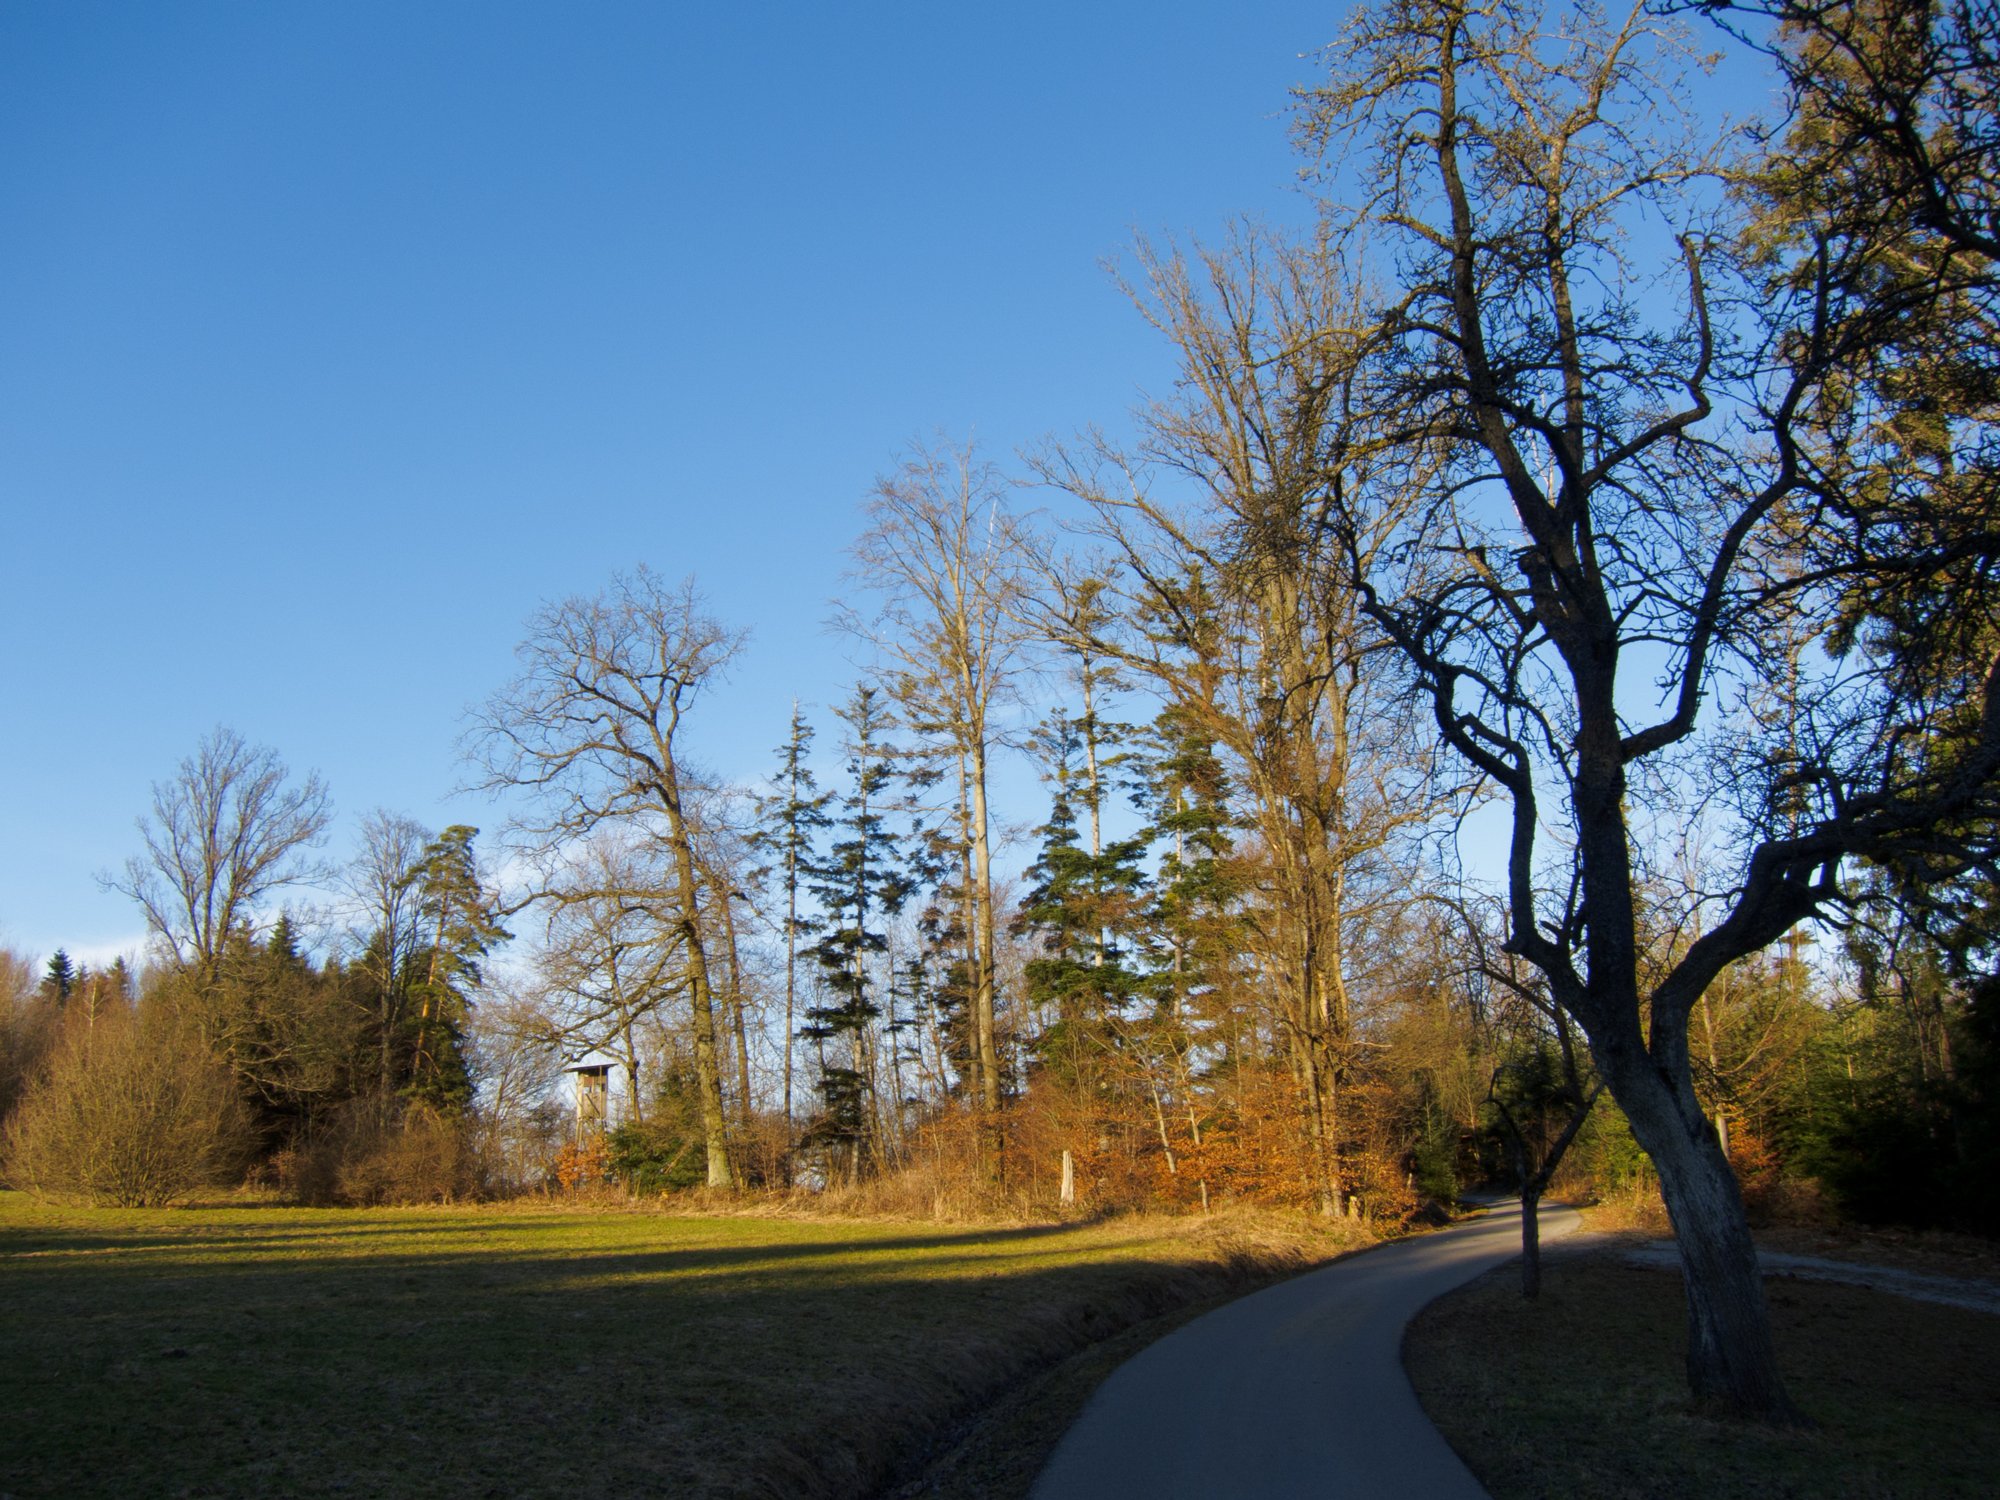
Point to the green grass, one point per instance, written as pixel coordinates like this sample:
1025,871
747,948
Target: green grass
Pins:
524,1352
1582,1392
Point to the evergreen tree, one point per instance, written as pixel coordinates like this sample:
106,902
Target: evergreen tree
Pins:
60,981
1186,792
1086,907
858,886
940,974
118,981
789,819
460,927
289,1030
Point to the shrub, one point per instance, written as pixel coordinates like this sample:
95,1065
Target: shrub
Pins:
132,1112
582,1164
652,1158
423,1158
376,1151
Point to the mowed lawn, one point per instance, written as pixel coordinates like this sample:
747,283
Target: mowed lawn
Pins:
536,1351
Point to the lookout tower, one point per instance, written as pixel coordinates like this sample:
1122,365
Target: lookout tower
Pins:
593,1093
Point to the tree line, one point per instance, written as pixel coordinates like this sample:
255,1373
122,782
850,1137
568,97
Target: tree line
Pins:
1591,469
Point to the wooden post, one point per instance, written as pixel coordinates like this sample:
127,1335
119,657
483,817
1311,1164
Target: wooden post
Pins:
1068,1178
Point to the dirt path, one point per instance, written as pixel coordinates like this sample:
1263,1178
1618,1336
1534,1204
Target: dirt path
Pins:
1297,1390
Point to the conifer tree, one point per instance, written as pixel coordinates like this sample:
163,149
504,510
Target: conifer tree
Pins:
858,886
1186,792
461,926
1085,906
286,1027
60,981
789,819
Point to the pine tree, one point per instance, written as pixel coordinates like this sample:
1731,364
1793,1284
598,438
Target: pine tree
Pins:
858,886
288,1029
60,981
789,819
460,927
1186,792
1086,908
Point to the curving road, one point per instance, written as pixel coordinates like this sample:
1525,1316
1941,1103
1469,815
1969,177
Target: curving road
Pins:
1297,1390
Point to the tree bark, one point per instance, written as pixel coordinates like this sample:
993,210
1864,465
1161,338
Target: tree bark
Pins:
708,1072
984,937
1732,1362
1531,1243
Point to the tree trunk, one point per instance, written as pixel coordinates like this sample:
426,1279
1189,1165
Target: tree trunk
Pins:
708,1073
635,1099
791,978
744,1112
984,936
1531,1243
1732,1362
1319,1131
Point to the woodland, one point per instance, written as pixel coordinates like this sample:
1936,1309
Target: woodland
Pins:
1523,711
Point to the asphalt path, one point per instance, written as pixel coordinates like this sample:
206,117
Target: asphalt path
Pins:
1297,1390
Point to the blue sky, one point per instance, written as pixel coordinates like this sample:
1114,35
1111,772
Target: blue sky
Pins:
333,339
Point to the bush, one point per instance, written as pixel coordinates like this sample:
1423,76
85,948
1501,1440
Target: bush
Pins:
582,1166
383,1151
652,1158
132,1112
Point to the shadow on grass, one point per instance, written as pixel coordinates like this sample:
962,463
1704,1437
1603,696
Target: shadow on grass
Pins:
527,1359
207,1249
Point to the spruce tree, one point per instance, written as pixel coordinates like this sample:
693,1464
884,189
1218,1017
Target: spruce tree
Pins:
859,885
789,820
60,981
460,927
1086,908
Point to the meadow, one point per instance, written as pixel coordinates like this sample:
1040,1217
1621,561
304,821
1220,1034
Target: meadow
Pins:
543,1349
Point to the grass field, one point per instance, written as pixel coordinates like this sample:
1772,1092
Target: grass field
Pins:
1582,1393
536,1351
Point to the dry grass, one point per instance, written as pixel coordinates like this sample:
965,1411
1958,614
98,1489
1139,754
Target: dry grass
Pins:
1582,1393
528,1352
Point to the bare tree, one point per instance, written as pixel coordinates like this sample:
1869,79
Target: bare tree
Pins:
389,937
611,957
590,730
1543,1088
1234,610
30,1025
1633,508
515,1043
948,563
725,856
225,833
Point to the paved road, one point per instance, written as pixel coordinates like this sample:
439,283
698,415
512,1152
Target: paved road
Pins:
1294,1391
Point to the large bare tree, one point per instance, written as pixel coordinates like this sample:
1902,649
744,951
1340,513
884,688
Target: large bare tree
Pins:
1233,611
946,563
226,832
590,730
1636,503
